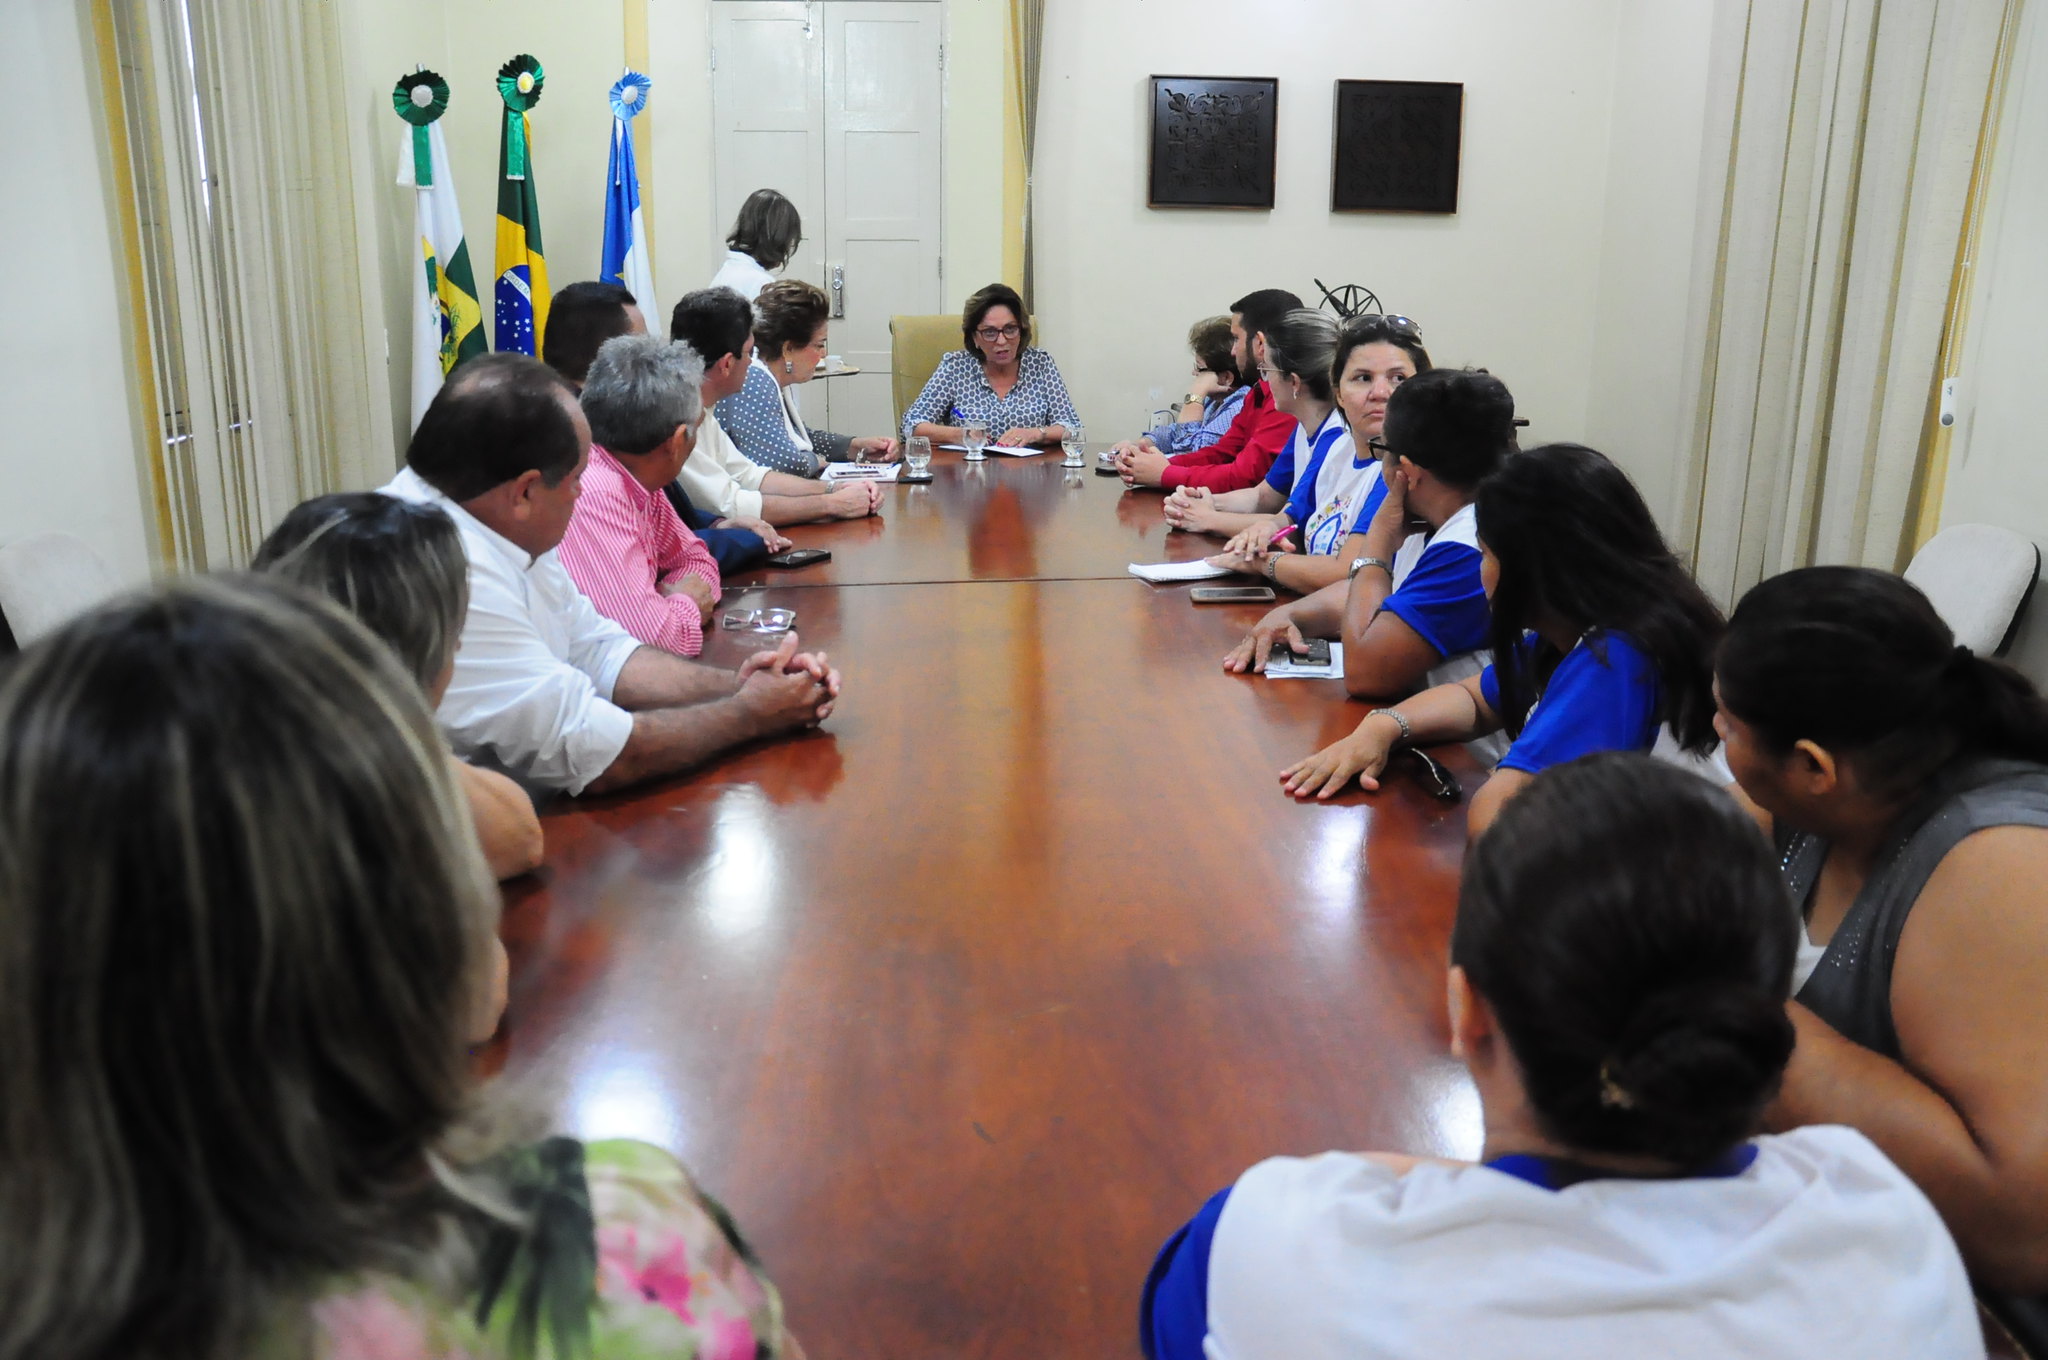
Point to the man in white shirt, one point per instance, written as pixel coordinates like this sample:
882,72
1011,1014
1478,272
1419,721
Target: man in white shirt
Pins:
545,687
718,323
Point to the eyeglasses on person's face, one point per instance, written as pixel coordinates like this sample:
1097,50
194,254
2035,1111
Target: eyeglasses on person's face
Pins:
1379,447
988,335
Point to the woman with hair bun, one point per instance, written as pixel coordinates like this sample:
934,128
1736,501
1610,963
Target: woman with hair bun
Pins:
1906,782
1619,970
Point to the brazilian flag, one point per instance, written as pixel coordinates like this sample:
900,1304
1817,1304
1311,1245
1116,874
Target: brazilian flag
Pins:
522,292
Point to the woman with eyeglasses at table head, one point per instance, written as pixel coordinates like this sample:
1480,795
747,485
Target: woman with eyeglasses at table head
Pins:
1906,783
237,1012
1601,640
1331,475
1000,378
1619,968
762,419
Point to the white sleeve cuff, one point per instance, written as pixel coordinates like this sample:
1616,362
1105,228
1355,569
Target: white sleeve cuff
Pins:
596,744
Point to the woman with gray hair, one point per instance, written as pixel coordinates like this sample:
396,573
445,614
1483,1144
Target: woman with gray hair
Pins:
626,548
237,1009
399,568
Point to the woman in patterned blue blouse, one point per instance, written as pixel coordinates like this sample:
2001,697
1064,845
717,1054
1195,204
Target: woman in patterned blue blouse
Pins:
998,378
762,418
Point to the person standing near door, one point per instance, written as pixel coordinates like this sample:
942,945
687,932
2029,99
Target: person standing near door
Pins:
764,236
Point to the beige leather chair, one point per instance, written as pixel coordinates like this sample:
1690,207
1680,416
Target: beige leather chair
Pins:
916,344
1978,578
46,580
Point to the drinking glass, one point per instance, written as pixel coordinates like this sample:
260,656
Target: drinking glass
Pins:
917,455
976,440
1073,441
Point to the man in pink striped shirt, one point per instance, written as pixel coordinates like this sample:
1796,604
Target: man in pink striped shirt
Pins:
626,548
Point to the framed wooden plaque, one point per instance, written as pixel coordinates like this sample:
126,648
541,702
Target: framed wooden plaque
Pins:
1213,141
1397,144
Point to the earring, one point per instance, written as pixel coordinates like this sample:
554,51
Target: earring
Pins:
789,365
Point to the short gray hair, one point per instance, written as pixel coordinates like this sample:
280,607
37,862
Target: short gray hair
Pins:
639,389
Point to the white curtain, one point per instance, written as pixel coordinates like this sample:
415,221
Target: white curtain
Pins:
1822,286
235,133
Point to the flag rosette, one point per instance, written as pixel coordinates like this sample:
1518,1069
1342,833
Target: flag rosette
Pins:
629,95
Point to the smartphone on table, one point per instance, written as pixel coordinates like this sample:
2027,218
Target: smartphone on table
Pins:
1231,594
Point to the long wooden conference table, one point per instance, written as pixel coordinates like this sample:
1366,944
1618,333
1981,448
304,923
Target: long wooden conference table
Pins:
963,1002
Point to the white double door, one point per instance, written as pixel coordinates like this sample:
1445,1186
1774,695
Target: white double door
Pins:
837,104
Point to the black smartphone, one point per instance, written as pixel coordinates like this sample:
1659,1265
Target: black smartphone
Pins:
1318,653
798,557
1231,594
1106,470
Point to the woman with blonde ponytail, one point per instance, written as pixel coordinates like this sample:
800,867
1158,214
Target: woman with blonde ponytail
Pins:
1906,783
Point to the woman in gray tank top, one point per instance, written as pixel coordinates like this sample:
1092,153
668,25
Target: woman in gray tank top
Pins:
1906,784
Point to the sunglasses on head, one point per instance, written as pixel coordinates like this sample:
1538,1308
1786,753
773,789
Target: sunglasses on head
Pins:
1389,324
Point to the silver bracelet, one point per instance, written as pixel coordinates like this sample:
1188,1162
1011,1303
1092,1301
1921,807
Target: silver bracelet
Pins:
1359,564
1399,721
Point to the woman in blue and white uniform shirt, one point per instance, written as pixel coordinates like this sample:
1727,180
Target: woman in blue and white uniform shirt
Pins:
1331,475
1619,969
1601,640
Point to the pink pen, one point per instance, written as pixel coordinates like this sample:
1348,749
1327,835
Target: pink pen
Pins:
1277,537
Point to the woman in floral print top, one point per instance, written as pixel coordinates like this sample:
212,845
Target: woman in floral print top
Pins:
236,1022
999,378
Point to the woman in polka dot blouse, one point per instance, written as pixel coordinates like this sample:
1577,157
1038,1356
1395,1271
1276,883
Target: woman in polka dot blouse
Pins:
999,378
762,418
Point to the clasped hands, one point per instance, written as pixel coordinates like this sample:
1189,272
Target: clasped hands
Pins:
786,688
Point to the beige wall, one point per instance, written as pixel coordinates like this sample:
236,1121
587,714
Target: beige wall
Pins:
70,444
1997,474
1515,281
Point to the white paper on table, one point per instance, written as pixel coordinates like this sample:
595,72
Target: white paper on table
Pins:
1008,450
1277,668
860,472
1162,572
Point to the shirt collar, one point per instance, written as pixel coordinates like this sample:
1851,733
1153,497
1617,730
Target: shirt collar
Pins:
409,485
635,492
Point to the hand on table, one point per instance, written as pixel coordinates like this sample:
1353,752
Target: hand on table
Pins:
768,533
1192,509
1272,632
853,500
875,449
696,587
1022,437
1362,755
1142,467
786,688
1251,564
1256,541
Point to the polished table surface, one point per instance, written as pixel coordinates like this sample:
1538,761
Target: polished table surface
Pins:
965,1001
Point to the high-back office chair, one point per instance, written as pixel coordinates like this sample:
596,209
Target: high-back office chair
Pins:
46,580
1978,578
916,344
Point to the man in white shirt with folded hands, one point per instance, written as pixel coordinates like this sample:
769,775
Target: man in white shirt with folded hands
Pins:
545,687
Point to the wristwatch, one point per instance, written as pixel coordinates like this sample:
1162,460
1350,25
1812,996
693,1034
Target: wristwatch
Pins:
1359,564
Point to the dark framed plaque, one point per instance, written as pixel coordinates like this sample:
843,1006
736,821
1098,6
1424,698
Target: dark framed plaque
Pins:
1213,141
1397,146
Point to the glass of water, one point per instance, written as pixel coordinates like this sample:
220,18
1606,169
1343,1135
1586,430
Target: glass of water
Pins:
917,455
1073,441
976,432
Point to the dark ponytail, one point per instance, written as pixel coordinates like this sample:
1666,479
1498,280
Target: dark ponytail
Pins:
1625,922
1858,662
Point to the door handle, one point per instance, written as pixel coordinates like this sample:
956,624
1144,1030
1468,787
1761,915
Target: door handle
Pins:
838,292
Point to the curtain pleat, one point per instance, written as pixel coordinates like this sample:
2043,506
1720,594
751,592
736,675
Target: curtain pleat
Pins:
249,261
1027,47
1851,127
